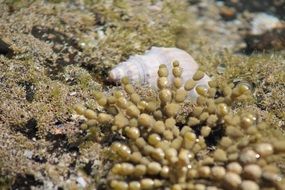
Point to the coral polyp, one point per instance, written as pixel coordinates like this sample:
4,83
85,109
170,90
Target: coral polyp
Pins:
212,148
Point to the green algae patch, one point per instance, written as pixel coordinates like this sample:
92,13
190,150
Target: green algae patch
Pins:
62,52
264,73
122,32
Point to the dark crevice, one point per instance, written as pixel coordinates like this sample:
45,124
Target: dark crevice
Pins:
101,76
39,159
60,143
108,140
66,49
88,167
25,182
215,136
197,129
30,90
51,35
275,7
29,130
180,125
72,165
102,186
271,40
5,49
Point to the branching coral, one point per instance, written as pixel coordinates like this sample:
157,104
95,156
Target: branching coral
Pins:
214,149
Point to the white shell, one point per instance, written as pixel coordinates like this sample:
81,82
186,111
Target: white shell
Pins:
263,22
143,69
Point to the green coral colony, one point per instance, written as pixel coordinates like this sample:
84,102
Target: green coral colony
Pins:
214,149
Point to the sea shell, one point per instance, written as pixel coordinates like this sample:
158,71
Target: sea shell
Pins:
142,69
263,22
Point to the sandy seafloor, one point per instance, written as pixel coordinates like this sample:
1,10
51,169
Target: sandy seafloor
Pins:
55,54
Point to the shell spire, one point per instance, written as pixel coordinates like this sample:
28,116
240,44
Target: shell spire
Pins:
142,69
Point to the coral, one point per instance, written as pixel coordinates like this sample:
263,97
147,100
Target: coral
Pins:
213,148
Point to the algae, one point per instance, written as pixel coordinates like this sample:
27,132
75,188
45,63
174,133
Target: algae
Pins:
62,52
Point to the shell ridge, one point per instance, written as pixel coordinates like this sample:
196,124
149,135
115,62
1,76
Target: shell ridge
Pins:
135,68
150,68
143,68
